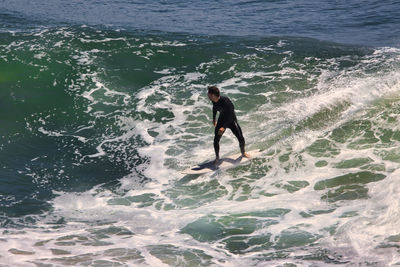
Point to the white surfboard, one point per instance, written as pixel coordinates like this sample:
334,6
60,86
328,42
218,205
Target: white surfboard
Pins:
224,163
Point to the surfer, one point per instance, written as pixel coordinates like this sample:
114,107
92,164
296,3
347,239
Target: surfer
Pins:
227,119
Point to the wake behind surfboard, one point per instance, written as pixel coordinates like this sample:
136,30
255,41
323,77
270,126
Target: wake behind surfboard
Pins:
225,163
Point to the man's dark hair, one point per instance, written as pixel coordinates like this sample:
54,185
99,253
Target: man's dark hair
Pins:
213,90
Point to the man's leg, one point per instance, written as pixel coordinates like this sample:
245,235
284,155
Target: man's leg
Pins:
217,137
237,131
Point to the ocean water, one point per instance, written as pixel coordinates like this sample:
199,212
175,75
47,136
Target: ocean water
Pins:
103,104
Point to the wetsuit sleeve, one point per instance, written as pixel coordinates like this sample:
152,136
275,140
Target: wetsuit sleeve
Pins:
214,112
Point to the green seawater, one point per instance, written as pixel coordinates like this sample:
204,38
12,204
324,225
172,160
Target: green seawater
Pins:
97,125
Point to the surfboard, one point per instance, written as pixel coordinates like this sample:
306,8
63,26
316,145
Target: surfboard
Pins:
224,163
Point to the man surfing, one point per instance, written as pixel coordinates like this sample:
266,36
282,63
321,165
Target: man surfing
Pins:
227,119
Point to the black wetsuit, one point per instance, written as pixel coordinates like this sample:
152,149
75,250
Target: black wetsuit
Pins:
227,119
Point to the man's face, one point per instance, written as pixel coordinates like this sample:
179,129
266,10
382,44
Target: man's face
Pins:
213,98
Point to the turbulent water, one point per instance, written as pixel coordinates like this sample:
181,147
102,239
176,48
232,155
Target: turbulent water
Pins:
100,114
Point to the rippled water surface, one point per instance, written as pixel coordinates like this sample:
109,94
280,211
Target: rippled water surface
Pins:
101,110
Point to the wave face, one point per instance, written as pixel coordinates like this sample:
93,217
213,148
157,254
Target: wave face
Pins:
97,126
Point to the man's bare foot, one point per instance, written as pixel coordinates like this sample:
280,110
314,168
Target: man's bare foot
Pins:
246,155
216,161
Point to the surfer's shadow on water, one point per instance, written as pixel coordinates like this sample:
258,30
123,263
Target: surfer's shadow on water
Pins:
224,163
211,165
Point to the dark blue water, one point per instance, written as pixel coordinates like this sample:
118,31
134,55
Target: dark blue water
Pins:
373,23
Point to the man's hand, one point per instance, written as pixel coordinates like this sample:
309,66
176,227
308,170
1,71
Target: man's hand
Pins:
221,131
214,123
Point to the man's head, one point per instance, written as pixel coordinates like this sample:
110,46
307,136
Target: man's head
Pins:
213,93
